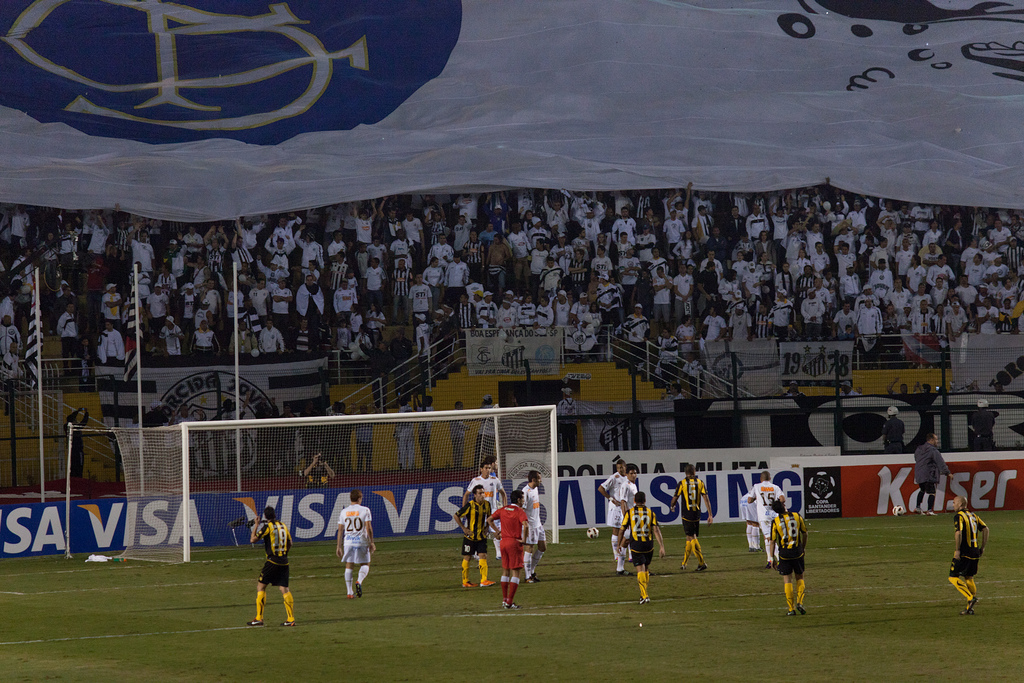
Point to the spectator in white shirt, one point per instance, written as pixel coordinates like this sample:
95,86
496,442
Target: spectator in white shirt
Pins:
110,345
171,335
271,340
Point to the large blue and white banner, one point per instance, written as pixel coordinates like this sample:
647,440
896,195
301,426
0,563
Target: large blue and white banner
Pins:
204,109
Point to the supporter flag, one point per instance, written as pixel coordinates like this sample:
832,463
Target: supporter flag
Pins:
131,351
32,344
209,109
923,349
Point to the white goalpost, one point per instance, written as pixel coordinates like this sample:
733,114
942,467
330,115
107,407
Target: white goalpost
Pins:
202,484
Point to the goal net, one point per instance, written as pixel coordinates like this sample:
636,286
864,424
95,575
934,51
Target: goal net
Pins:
412,468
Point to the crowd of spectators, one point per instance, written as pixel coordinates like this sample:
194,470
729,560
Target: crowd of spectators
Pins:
678,267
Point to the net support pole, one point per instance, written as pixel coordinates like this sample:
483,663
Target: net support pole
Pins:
497,449
67,496
238,386
186,507
553,419
39,388
138,372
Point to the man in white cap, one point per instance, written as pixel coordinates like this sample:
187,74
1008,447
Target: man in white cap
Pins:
982,423
171,335
567,421
892,431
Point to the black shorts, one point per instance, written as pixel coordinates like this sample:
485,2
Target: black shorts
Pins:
691,522
793,565
642,551
474,547
965,567
274,574
927,487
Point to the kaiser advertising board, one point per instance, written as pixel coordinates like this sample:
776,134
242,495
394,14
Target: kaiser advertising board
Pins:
109,525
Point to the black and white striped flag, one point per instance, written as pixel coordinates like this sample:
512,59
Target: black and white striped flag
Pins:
32,349
131,352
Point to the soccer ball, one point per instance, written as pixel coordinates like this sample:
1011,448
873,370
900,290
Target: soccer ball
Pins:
899,510
592,532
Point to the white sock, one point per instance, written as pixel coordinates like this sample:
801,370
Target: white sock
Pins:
528,564
497,549
363,571
537,554
348,580
754,538
513,579
615,546
620,560
767,552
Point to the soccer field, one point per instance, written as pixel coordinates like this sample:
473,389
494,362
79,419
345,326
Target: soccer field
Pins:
878,606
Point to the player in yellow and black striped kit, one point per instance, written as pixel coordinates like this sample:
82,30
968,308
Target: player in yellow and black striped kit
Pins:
691,491
970,535
277,542
477,516
643,528
789,535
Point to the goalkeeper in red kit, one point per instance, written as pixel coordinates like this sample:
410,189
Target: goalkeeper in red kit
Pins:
513,532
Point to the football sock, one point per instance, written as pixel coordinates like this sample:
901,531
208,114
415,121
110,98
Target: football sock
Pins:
537,554
642,578
497,549
289,606
528,565
753,538
961,586
261,602
363,571
767,551
615,546
697,551
620,560
972,587
800,592
686,553
348,580
465,569
482,563
931,502
504,588
513,584
789,597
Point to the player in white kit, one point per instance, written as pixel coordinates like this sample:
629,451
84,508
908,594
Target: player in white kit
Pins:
763,495
355,541
619,489
494,493
748,511
535,545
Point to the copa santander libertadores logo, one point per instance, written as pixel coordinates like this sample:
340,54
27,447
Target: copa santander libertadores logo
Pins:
165,72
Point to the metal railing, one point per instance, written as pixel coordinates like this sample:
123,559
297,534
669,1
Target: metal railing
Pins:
415,375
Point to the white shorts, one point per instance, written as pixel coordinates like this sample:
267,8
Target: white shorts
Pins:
766,527
535,535
614,516
356,554
748,511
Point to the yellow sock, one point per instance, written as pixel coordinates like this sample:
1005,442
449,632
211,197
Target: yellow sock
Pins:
261,602
686,553
789,597
971,587
289,606
697,551
465,569
800,592
961,586
483,570
642,578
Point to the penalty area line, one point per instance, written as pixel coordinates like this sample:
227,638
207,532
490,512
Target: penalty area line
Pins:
124,635
528,614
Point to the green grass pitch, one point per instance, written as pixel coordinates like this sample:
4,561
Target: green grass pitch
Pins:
879,607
